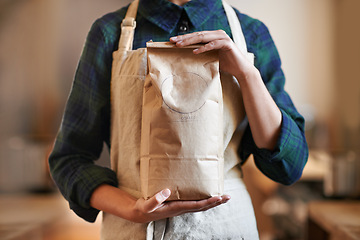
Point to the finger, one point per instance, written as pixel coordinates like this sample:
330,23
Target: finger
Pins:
204,36
213,45
224,199
198,37
156,201
193,206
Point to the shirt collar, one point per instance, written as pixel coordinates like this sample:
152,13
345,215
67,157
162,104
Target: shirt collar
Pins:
166,15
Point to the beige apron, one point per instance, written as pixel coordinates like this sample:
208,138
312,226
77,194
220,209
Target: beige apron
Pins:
233,220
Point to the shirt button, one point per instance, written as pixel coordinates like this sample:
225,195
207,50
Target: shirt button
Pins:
184,26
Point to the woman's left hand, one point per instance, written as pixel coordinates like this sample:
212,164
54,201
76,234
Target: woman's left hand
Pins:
231,59
263,114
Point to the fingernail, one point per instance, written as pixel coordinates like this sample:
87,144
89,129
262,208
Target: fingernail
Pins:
166,193
173,38
227,199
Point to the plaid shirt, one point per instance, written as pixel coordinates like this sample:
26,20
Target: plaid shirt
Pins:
86,122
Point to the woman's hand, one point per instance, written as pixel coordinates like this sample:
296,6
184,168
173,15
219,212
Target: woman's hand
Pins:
118,202
231,59
156,208
263,114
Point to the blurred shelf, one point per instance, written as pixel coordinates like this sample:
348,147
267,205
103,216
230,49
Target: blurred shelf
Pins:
332,220
317,166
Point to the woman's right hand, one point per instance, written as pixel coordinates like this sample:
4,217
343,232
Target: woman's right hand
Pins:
156,208
118,202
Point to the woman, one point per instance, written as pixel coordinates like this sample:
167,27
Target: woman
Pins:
274,133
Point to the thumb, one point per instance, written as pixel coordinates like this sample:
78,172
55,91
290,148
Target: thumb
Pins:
156,201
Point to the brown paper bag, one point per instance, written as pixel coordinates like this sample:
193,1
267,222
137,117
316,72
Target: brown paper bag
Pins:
182,126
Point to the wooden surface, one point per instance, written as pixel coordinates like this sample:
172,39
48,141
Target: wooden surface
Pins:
24,215
42,217
338,219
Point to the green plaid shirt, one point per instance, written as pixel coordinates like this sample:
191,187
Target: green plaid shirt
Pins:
86,122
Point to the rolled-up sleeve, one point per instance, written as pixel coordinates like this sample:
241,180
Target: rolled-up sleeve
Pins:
285,163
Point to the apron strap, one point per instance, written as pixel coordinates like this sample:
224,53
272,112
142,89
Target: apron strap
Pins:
236,31
235,27
128,27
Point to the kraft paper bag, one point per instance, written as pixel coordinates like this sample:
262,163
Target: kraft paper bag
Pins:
182,124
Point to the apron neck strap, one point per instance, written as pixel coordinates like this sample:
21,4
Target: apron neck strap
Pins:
128,26
235,27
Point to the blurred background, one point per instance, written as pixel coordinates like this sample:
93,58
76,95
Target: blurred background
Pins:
319,44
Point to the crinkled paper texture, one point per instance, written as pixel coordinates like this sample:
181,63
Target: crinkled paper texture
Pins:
182,124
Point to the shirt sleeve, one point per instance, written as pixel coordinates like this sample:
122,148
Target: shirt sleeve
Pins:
85,128
286,162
